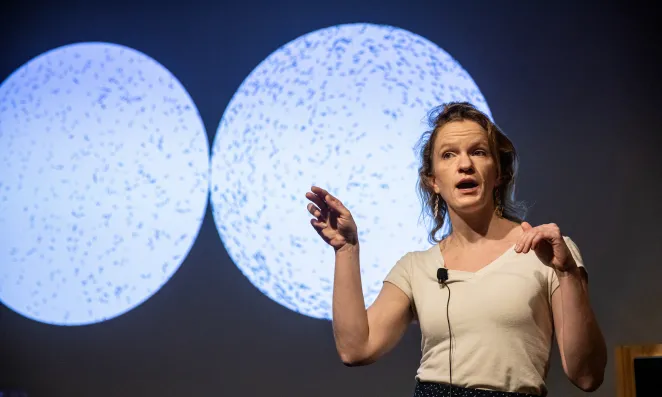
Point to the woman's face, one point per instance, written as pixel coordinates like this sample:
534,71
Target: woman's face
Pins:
464,171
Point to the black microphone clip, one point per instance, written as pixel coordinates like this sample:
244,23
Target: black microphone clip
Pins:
442,275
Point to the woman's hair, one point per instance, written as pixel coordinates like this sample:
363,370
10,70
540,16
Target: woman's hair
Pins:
501,149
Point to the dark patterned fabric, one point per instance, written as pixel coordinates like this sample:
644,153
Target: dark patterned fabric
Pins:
428,389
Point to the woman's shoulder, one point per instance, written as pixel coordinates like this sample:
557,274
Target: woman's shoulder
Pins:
423,257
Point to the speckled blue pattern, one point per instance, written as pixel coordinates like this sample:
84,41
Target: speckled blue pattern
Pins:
104,180
428,389
340,108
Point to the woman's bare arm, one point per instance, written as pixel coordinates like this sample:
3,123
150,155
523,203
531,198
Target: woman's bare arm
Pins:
362,336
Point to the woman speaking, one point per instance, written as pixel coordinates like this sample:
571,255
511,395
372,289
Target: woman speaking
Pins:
489,296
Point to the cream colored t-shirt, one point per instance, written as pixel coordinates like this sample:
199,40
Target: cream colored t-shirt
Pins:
500,317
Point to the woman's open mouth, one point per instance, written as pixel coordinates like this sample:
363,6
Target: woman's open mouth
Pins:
467,186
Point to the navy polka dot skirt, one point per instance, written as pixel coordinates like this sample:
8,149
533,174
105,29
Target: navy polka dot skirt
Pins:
429,389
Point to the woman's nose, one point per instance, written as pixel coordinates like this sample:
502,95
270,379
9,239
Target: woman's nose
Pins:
465,163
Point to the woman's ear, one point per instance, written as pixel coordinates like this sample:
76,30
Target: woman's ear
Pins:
499,181
429,181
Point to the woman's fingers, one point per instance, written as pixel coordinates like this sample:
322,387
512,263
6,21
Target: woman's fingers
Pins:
336,205
318,225
529,240
334,221
534,236
326,233
319,191
524,241
536,240
326,201
319,201
328,198
314,211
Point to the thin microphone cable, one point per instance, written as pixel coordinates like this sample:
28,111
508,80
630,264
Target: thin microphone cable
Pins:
450,341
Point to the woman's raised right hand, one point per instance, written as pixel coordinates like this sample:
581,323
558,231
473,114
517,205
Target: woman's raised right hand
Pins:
333,222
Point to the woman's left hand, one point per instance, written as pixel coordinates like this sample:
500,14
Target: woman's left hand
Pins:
548,243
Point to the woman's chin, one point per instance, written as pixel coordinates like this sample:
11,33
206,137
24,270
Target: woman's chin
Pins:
469,207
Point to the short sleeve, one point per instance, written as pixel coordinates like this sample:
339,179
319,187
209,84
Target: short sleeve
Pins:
574,251
400,276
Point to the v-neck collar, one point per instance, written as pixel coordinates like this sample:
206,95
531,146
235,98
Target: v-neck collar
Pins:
463,274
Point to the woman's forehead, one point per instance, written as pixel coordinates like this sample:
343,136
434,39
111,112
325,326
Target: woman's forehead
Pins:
461,132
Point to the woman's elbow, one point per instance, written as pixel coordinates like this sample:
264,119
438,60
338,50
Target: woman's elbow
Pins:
589,375
353,359
590,383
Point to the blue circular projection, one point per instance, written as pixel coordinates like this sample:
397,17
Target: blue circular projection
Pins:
340,108
104,176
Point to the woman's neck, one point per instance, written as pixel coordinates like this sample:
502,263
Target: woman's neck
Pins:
476,228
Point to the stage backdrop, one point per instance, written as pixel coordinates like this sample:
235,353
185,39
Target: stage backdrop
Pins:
154,239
